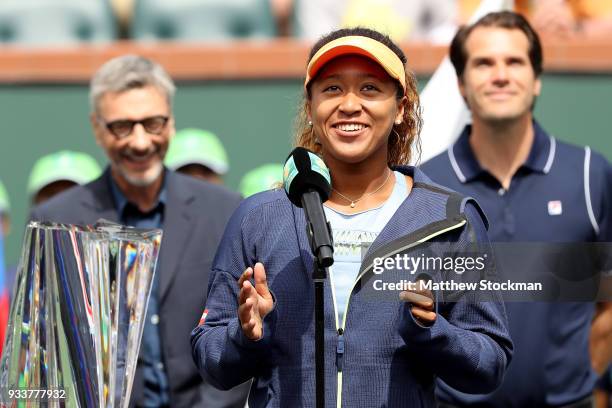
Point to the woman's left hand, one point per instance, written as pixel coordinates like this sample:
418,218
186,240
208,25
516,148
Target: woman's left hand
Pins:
422,301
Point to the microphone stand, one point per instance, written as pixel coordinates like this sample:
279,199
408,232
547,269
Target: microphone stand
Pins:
321,245
319,276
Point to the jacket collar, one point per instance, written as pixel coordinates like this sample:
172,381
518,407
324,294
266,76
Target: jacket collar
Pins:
178,228
466,166
421,209
97,199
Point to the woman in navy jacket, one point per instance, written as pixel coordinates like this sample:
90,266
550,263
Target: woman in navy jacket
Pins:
384,347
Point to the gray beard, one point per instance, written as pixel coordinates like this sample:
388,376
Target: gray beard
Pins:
142,181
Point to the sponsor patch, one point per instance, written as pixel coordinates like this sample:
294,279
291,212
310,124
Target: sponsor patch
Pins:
555,207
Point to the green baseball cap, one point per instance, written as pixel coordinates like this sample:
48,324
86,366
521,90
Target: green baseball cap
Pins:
261,178
196,146
5,205
63,165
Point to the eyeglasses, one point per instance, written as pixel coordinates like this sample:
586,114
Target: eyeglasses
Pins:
122,128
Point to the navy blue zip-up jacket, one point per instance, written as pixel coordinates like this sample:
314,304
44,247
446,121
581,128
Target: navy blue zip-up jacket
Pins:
388,359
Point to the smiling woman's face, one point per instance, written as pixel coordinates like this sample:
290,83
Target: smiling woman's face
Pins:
353,106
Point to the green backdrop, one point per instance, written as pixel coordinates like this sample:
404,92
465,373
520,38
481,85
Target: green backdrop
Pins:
253,118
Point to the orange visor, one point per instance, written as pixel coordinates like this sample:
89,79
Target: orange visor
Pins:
359,45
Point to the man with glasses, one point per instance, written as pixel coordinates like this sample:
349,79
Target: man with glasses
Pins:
131,100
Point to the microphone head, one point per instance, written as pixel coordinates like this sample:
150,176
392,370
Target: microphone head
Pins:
305,170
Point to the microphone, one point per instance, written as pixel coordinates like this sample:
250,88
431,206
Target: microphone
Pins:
307,183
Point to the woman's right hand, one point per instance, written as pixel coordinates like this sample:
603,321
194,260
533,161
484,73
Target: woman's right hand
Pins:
254,302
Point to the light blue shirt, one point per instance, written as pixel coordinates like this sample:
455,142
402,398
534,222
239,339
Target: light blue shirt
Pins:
353,234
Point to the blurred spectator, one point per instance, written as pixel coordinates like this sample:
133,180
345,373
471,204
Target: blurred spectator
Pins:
10,270
56,172
5,229
559,18
282,10
422,20
124,10
572,18
56,22
4,274
5,208
202,20
261,178
198,153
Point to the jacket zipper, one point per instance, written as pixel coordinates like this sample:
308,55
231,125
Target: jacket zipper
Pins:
341,331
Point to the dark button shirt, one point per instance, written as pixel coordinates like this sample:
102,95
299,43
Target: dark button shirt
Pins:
560,194
150,357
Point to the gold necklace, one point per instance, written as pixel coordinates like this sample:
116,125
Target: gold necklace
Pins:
355,201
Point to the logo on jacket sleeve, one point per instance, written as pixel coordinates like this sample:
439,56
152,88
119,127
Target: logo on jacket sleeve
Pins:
203,318
555,207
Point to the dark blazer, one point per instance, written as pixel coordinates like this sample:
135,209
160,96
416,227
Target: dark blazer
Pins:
194,220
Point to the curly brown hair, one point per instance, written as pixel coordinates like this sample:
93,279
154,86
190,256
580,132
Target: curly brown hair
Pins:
403,137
